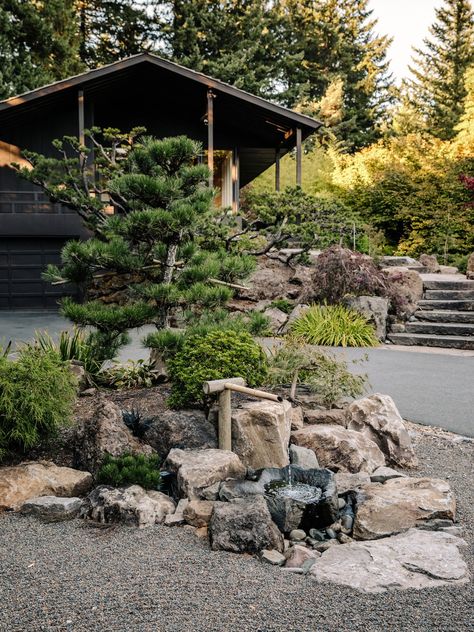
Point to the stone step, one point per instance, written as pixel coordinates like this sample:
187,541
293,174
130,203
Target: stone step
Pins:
449,295
442,329
445,316
461,284
426,340
457,305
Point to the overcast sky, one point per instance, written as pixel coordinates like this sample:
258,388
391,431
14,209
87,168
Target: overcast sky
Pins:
407,21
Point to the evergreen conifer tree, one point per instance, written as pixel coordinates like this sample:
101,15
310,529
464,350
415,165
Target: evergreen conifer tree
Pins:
152,243
439,68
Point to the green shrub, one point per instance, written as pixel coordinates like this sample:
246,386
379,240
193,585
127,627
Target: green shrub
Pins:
130,469
334,326
133,374
215,355
37,393
327,377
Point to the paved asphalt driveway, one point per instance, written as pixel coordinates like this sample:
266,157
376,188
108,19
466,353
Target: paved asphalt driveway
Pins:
429,386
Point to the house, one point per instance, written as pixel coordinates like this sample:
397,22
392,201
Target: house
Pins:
242,135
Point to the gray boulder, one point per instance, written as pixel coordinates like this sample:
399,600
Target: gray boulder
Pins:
52,508
244,525
303,457
277,318
374,309
185,429
131,506
430,262
413,560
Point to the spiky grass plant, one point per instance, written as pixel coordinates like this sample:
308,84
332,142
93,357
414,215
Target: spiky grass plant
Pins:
334,326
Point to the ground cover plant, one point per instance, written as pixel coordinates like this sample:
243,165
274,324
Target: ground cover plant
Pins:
213,356
328,378
334,326
37,392
130,469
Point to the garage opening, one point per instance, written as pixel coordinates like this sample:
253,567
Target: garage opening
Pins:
22,261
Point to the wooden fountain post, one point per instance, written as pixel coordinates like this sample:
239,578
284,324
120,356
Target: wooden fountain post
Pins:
225,388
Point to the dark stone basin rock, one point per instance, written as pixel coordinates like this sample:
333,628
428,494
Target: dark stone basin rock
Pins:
290,513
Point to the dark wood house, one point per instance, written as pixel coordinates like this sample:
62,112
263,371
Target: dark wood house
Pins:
242,135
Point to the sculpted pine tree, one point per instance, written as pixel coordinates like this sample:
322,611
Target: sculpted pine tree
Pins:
153,240
438,88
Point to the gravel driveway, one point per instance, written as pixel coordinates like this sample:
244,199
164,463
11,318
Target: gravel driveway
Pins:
75,577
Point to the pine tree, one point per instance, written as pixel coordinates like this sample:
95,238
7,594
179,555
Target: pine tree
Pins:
39,44
113,29
439,68
232,40
153,243
464,141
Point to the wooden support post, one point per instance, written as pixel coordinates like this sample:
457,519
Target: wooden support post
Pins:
299,157
235,180
210,136
225,420
277,170
81,117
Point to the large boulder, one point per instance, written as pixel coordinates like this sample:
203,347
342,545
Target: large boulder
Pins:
269,281
303,457
400,504
131,506
261,433
346,482
413,560
374,309
340,449
408,285
377,418
244,525
199,469
334,416
185,429
105,433
430,262
470,267
276,317
31,479
52,508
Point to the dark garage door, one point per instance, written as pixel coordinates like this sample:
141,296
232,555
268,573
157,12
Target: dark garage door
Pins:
22,260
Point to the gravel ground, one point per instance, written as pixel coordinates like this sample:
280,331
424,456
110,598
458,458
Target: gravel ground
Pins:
75,577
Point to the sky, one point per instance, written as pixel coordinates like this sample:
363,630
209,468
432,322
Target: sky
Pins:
407,21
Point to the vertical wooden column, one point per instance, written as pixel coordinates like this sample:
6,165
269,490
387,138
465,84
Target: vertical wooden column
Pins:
277,169
81,116
235,180
225,420
299,157
210,136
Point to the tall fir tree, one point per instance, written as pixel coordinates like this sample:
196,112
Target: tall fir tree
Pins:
39,43
232,40
438,88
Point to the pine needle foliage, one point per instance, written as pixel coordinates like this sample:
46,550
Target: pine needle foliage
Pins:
130,469
155,238
334,326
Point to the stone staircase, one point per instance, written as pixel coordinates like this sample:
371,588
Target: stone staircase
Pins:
444,317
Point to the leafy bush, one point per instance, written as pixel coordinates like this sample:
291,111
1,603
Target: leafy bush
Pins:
37,393
328,378
213,356
334,326
340,272
133,374
130,469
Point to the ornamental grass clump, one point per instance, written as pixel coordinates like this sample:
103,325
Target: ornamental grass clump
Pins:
213,356
334,326
37,392
130,469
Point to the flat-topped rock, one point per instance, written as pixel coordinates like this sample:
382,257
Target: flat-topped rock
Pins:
400,504
199,469
31,479
413,560
339,449
52,508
